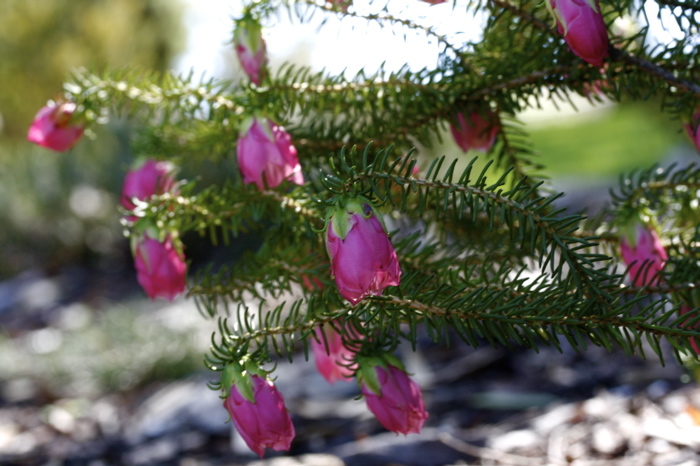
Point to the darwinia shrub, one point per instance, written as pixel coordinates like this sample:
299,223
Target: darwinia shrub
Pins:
374,249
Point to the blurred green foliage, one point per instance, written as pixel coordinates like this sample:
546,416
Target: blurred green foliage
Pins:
40,41
611,141
602,142
62,208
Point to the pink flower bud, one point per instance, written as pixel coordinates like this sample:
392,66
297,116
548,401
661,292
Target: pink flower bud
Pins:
435,2
693,130
149,178
264,421
583,28
693,341
251,49
266,149
475,131
398,405
335,362
363,260
160,267
52,127
643,253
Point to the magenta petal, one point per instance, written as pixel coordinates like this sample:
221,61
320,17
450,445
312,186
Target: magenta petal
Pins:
51,127
646,258
251,49
266,151
364,262
264,423
474,131
161,269
399,407
334,363
693,130
583,28
151,178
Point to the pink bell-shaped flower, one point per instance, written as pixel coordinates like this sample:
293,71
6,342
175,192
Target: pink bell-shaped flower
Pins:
334,361
251,49
52,127
693,130
363,260
160,266
581,23
266,150
148,178
259,413
391,395
643,253
475,131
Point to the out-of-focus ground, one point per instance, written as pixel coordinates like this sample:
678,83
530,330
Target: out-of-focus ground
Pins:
124,384
93,373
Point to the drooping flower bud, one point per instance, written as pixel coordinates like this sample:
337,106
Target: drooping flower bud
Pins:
251,49
258,412
160,266
363,260
435,2
581,23
148,178
334,359
266,150
391,395
693,130
475,131
52,127
643,253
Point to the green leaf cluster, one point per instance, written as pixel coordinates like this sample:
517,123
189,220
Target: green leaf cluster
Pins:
487,254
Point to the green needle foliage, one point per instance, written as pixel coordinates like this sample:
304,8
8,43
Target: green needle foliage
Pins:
486,253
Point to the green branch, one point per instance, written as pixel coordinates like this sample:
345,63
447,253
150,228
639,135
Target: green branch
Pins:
557,231
615,53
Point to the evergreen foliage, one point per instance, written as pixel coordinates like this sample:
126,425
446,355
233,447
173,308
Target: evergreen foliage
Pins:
486,253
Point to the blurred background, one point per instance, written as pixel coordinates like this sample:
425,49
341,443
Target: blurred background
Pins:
84,356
